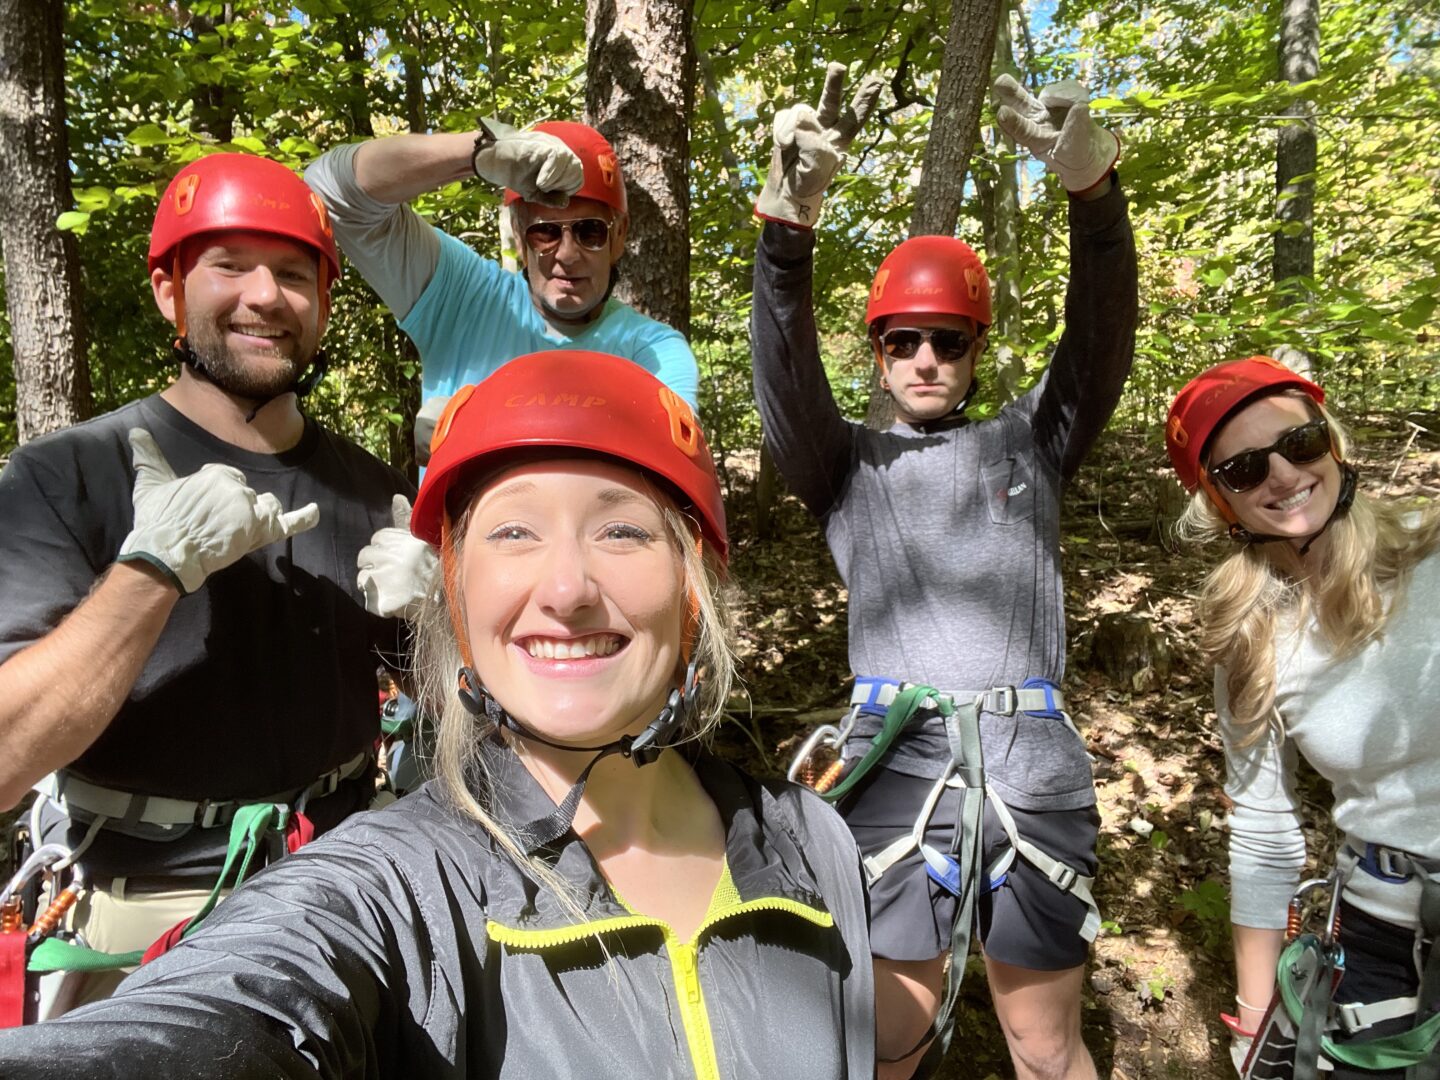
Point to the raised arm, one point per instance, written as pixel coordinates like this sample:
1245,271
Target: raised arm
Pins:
392,246
811,442
1092,361
367,186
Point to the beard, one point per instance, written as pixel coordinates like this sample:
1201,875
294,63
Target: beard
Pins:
244,377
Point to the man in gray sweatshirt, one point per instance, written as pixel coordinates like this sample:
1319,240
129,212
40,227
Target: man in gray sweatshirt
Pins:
946,532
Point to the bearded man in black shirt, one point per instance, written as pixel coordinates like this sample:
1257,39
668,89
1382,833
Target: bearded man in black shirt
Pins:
182,633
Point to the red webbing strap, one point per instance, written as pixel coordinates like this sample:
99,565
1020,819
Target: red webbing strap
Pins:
12,979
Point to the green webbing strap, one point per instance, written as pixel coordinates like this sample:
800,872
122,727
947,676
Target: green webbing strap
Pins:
902,710
1312,971
1299,959
247,829
962,729
52,954
1427,997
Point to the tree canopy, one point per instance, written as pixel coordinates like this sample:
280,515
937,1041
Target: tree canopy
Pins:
1193,89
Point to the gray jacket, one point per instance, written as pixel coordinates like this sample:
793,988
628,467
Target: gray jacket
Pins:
404,944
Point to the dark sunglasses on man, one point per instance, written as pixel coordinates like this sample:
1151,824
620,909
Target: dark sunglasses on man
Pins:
591,233
1299,446
903,343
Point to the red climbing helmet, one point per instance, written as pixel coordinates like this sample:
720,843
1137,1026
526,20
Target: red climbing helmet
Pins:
930,275
240,191
1206,400
603,180
575,400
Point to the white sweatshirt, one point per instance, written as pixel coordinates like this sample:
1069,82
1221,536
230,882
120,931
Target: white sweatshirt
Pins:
1370,724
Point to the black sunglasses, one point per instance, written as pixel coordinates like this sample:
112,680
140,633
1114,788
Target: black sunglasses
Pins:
591,233
1299,446
903,342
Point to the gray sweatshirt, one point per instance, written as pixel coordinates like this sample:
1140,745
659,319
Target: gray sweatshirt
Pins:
947,534
1369,724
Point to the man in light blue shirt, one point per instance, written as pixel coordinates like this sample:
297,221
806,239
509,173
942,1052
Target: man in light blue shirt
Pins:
466,314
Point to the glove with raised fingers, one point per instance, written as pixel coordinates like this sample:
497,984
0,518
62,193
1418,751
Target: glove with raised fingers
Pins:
399,572
536,164
425,420
1058,129
191,526
809,146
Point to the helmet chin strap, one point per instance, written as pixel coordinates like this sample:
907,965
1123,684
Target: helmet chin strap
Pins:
642,749
181,352
1348,478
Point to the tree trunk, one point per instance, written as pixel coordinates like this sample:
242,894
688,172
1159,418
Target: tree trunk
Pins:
357,95
639,88
215,106
969,46
1002,234
969,43
1295,152
42,266
767,492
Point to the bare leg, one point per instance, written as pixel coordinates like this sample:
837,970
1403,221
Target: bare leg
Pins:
1040,1014
907,997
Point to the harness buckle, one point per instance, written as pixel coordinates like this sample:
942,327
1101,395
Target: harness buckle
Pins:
1004,701
207,813
1393,864
1348,1017
1063,877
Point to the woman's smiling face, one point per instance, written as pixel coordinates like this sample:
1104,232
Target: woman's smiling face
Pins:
1294,500
574,598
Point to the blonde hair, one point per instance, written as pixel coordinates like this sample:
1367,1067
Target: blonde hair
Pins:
1244,599
458,762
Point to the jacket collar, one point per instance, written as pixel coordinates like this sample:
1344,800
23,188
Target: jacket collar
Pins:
764,855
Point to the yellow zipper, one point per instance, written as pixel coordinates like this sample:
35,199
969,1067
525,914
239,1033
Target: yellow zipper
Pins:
684,960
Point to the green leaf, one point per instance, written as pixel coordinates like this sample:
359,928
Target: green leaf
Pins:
149,135
1418,313
94,198
73,221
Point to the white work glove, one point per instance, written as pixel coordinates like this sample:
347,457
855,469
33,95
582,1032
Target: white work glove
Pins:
191,526
1057,128
537,165
809,146
399,572
425,420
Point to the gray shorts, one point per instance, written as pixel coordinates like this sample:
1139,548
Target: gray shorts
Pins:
1025,921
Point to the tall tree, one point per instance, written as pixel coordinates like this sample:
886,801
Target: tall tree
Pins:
1296,157
42,269
969,44
639,92
1295,146
999,190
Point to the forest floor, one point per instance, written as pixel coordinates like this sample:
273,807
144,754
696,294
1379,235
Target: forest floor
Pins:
1160,974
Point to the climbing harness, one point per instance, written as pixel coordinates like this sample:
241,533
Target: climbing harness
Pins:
1293,1038
821,763
259,831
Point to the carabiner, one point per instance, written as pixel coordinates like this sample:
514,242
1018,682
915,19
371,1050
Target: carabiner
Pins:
827,737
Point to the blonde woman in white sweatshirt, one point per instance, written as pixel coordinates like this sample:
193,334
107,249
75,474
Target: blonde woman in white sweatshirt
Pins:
1323,624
